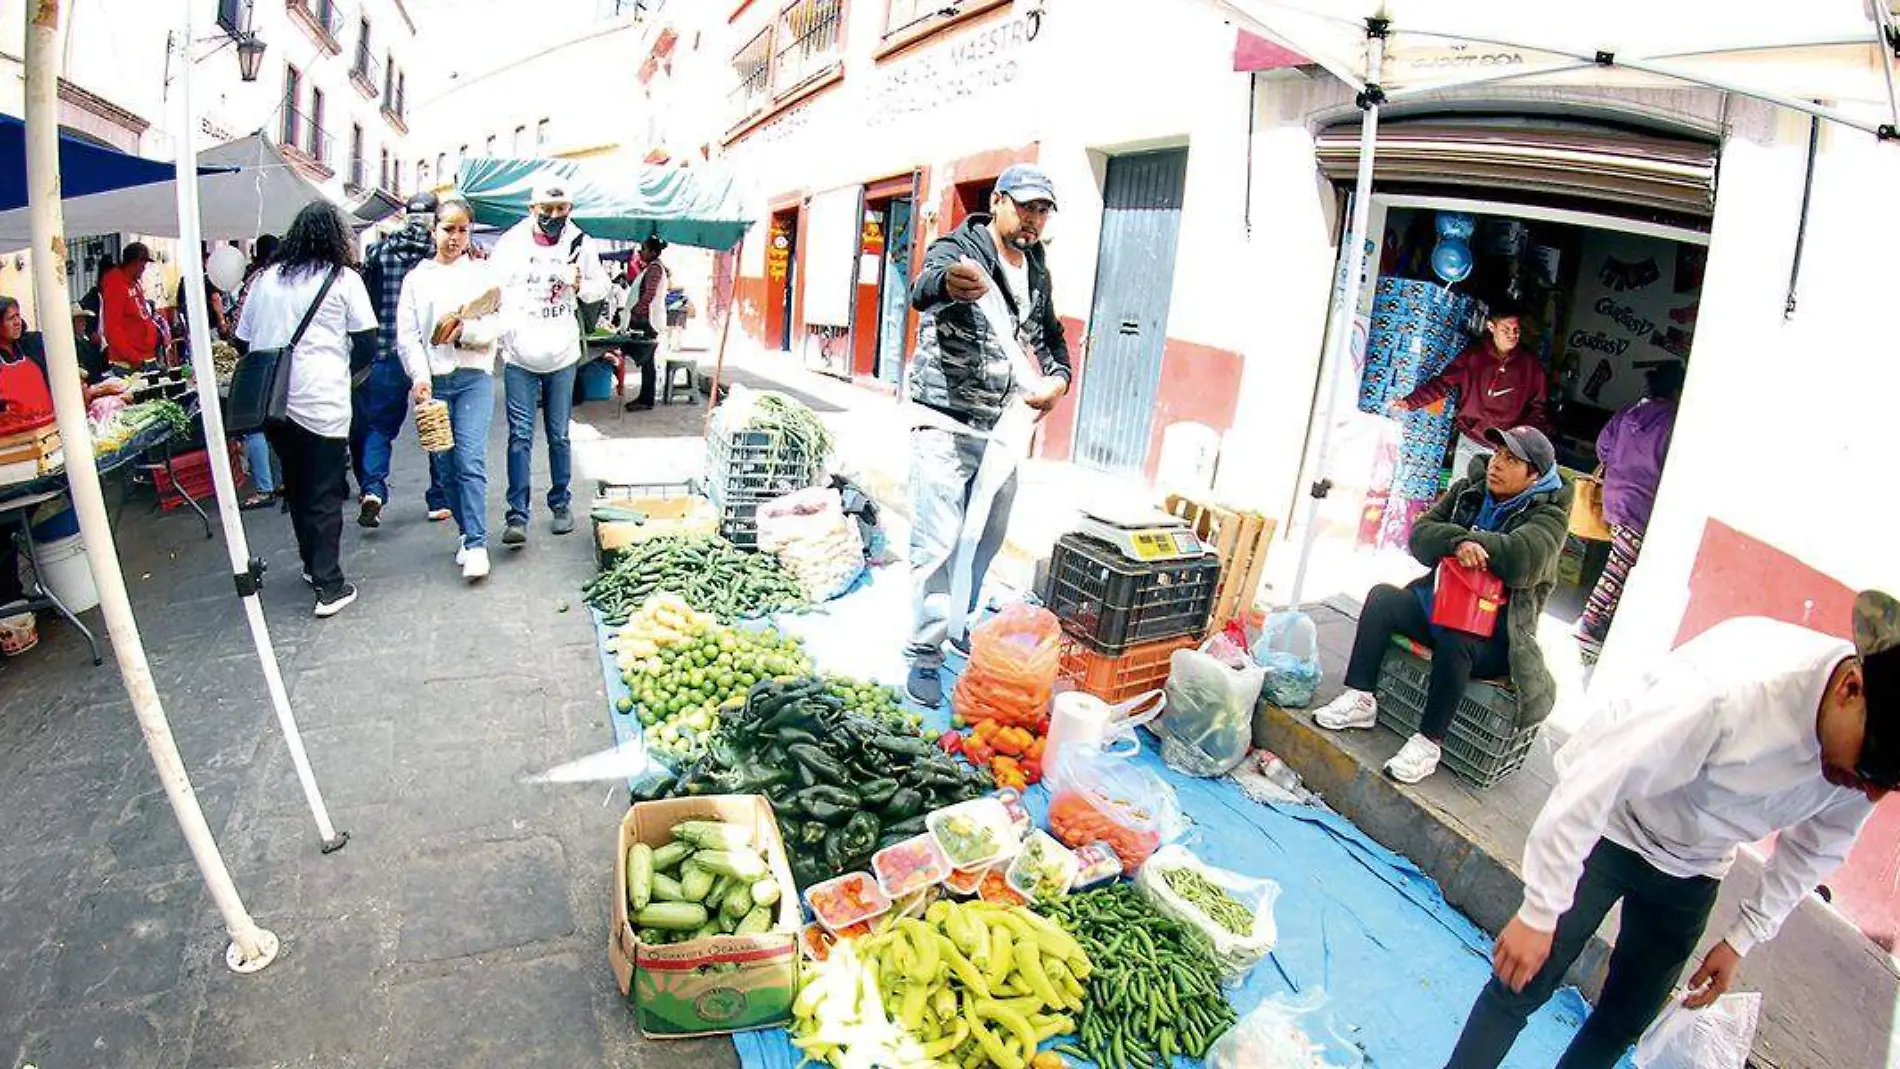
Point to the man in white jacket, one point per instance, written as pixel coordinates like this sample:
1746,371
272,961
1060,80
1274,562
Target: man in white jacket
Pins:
547,268
1755,728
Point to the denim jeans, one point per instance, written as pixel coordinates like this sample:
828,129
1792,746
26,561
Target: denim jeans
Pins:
257,458
552,394
470,395
378,408
1457,658
942,472
1663,919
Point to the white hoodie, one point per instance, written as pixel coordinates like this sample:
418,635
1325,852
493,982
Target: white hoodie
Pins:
538,296
433,290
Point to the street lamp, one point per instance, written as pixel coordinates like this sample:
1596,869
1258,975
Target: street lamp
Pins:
250,50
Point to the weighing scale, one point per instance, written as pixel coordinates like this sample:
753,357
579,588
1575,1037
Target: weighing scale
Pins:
1145,535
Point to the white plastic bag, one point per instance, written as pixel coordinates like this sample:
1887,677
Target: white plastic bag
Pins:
1208,726
809,533
1288,648
1236,954
1718,1037
1284,1034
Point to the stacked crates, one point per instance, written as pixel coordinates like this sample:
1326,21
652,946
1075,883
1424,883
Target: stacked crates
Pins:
745,469
1124,619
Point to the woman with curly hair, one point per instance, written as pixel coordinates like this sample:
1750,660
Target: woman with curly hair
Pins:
312,282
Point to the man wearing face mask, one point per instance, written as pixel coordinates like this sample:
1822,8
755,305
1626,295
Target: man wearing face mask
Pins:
962,376
548,268
380,400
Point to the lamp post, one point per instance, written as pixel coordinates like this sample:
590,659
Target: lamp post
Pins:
250,50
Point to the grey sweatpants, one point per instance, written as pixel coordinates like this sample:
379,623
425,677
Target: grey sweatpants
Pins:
943,468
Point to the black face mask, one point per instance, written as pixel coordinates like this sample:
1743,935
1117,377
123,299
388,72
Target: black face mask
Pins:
550,225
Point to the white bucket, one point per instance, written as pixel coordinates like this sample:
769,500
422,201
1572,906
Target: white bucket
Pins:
63,570
19,634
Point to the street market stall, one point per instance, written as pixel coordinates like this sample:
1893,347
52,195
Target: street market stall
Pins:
1022,879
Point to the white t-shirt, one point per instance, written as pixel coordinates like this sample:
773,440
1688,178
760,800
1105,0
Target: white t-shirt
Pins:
320,368
1016,276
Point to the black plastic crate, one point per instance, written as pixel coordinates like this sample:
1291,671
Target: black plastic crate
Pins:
1485,742
758,463
1111,603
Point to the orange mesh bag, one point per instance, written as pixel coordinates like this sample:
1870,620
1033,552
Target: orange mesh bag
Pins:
1011,678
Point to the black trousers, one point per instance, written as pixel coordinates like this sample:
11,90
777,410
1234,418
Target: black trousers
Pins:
643,352
316,484
1457,658
1663,920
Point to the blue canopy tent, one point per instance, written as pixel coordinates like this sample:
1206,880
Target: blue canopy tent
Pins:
83,167
701,206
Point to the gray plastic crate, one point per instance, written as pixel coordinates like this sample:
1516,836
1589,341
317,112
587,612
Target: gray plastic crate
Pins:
738,515
757,464
1485,742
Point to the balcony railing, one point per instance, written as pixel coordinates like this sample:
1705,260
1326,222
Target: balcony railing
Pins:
810,35
752,68
367,74
358,171
307,142
322,19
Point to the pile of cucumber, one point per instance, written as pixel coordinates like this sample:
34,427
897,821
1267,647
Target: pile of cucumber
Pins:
709,880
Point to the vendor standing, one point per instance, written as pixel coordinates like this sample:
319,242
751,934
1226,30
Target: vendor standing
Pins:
132,335
1630,452
1755,728
1500,385
962,376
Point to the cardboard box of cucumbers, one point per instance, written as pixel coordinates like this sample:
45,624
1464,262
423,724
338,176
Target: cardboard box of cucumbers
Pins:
705,917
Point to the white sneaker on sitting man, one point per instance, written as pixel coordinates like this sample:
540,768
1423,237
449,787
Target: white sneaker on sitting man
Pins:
1352,709
1416,760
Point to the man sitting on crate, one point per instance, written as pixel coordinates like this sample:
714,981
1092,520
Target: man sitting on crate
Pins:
1509,515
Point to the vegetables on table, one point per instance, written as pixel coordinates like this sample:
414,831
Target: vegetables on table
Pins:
709,874
708,573
1156,989
966,984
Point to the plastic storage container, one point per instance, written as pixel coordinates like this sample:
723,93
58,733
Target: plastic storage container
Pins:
64,571
738,516
1112,603
1117,678
1485,742
846,900
1096,864
758,464
974,833
1043,870
964,882
909,866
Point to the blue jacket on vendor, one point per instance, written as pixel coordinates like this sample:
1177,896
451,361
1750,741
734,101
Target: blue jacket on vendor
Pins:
960,368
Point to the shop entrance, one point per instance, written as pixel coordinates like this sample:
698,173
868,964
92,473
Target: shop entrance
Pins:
1606,306
893,288
781,268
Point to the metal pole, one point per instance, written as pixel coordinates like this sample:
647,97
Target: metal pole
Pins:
248,573
252,947
1340,351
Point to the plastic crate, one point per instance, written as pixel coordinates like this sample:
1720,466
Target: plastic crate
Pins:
1113,604
758,463
738,516
1485,742
1116,679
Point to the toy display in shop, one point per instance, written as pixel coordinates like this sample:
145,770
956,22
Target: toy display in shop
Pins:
842,782
1212,691
710,880
1155,992
968,983
709,573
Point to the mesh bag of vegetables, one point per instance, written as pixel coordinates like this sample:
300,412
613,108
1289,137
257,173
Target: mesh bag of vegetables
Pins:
1235,912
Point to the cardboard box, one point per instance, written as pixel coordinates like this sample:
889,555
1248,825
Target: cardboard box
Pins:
727,983
688,515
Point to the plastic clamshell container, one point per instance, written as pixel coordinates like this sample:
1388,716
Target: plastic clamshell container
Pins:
829,904
1098,863
1012,800
912,865
1044,870
996,890
917,903
964,882
974,833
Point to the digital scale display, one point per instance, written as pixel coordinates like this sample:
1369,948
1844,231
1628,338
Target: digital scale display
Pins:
1147,544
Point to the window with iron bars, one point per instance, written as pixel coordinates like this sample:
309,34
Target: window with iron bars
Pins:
752,68
810,35
356,156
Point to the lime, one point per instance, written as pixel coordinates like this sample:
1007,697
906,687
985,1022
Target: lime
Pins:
625,704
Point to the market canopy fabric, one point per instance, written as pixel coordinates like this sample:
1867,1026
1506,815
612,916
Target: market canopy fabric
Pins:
84,167
1789,53
700,206
245,188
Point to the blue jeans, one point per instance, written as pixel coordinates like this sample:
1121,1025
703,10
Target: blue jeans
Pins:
942,473
470,395
435,497
257,458
378,408
551,393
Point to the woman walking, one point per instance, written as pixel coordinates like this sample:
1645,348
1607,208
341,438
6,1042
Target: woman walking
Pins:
312,280
447,324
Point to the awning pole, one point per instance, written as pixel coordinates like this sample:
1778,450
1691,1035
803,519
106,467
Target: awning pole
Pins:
725,330
1339,355
248,573
252,947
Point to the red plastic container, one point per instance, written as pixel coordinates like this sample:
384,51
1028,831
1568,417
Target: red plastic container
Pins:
1467,599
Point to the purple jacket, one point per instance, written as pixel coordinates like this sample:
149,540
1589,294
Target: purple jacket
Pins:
1632,448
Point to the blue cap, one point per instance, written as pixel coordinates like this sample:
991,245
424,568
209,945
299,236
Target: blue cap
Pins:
1025,182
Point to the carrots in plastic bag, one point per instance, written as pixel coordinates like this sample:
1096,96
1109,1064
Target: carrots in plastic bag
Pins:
1014,658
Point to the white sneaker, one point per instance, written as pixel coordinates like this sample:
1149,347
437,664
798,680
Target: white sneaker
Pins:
461,554
475,563
1353,709
1415,760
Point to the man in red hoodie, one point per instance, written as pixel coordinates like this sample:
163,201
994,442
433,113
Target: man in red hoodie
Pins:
1499,384
131,333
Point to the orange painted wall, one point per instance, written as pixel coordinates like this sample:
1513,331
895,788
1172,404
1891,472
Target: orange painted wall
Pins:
754,296
864,331
1739,575
1199,383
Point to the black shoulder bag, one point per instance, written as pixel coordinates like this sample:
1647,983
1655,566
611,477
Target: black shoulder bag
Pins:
260,387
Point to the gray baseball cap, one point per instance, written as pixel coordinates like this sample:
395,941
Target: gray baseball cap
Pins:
1025,182
1527,444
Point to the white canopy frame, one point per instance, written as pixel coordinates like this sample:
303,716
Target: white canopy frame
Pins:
1299,26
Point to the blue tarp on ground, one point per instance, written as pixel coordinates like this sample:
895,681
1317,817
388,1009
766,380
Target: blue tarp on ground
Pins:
1399,966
